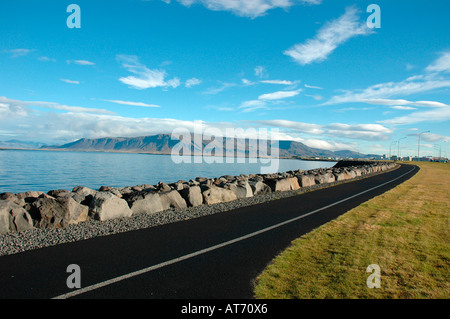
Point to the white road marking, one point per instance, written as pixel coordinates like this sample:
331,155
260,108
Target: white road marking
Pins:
206,250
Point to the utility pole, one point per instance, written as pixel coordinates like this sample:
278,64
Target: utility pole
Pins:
418,146
390,146
440,150
398,147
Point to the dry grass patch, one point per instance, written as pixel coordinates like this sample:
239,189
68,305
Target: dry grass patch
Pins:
405,231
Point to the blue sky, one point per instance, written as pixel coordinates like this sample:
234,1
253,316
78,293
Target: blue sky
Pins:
312,68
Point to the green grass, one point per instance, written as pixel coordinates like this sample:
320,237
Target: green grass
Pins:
405,231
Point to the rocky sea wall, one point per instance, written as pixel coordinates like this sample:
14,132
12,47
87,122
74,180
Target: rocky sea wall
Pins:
61,208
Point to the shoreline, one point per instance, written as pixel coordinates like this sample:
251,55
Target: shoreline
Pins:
293,157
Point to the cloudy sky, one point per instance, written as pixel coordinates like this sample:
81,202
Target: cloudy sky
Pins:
314,69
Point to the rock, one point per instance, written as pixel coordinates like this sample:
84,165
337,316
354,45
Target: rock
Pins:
105,188
306,180
145,202
80,199
258,187
125,191
201,180
325,178
137,188
12,197
241,188
13,218
30,194
58,213
163,187
213,195
57,193
357,172
192,195
341,176
172,199
105,206
283,184
85,191
115,192
178,185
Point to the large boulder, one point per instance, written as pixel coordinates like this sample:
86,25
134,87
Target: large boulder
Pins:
57,213
29,194
306,180
192,195
145,202
106,206
172,199
214,195
325,178
283,184
58,193
13,218
85,192
258,187
340,176
241,188
12,197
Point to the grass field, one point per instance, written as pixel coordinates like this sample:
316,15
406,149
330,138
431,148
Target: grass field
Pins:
405,231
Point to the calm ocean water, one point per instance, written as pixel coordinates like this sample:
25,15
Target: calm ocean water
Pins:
22,170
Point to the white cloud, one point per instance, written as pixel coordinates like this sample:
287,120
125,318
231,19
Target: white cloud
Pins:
401,102
435,138
281,82
192,82
246,8
313,87
15,108
253,105
382,91
144,78
217,90
70,81
403,108
247,82
329,145
80,62
132,103
264,101
15,53
367,132
328,38
442,64
295,126
46,59
279,95
20,119
434,115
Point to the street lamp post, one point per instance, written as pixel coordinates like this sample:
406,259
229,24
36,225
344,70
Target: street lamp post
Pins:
436,147
390,146
418,146
398,147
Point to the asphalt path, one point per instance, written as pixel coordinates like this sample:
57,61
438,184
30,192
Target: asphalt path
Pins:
212,257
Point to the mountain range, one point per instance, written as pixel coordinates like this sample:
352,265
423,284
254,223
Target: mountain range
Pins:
163,144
